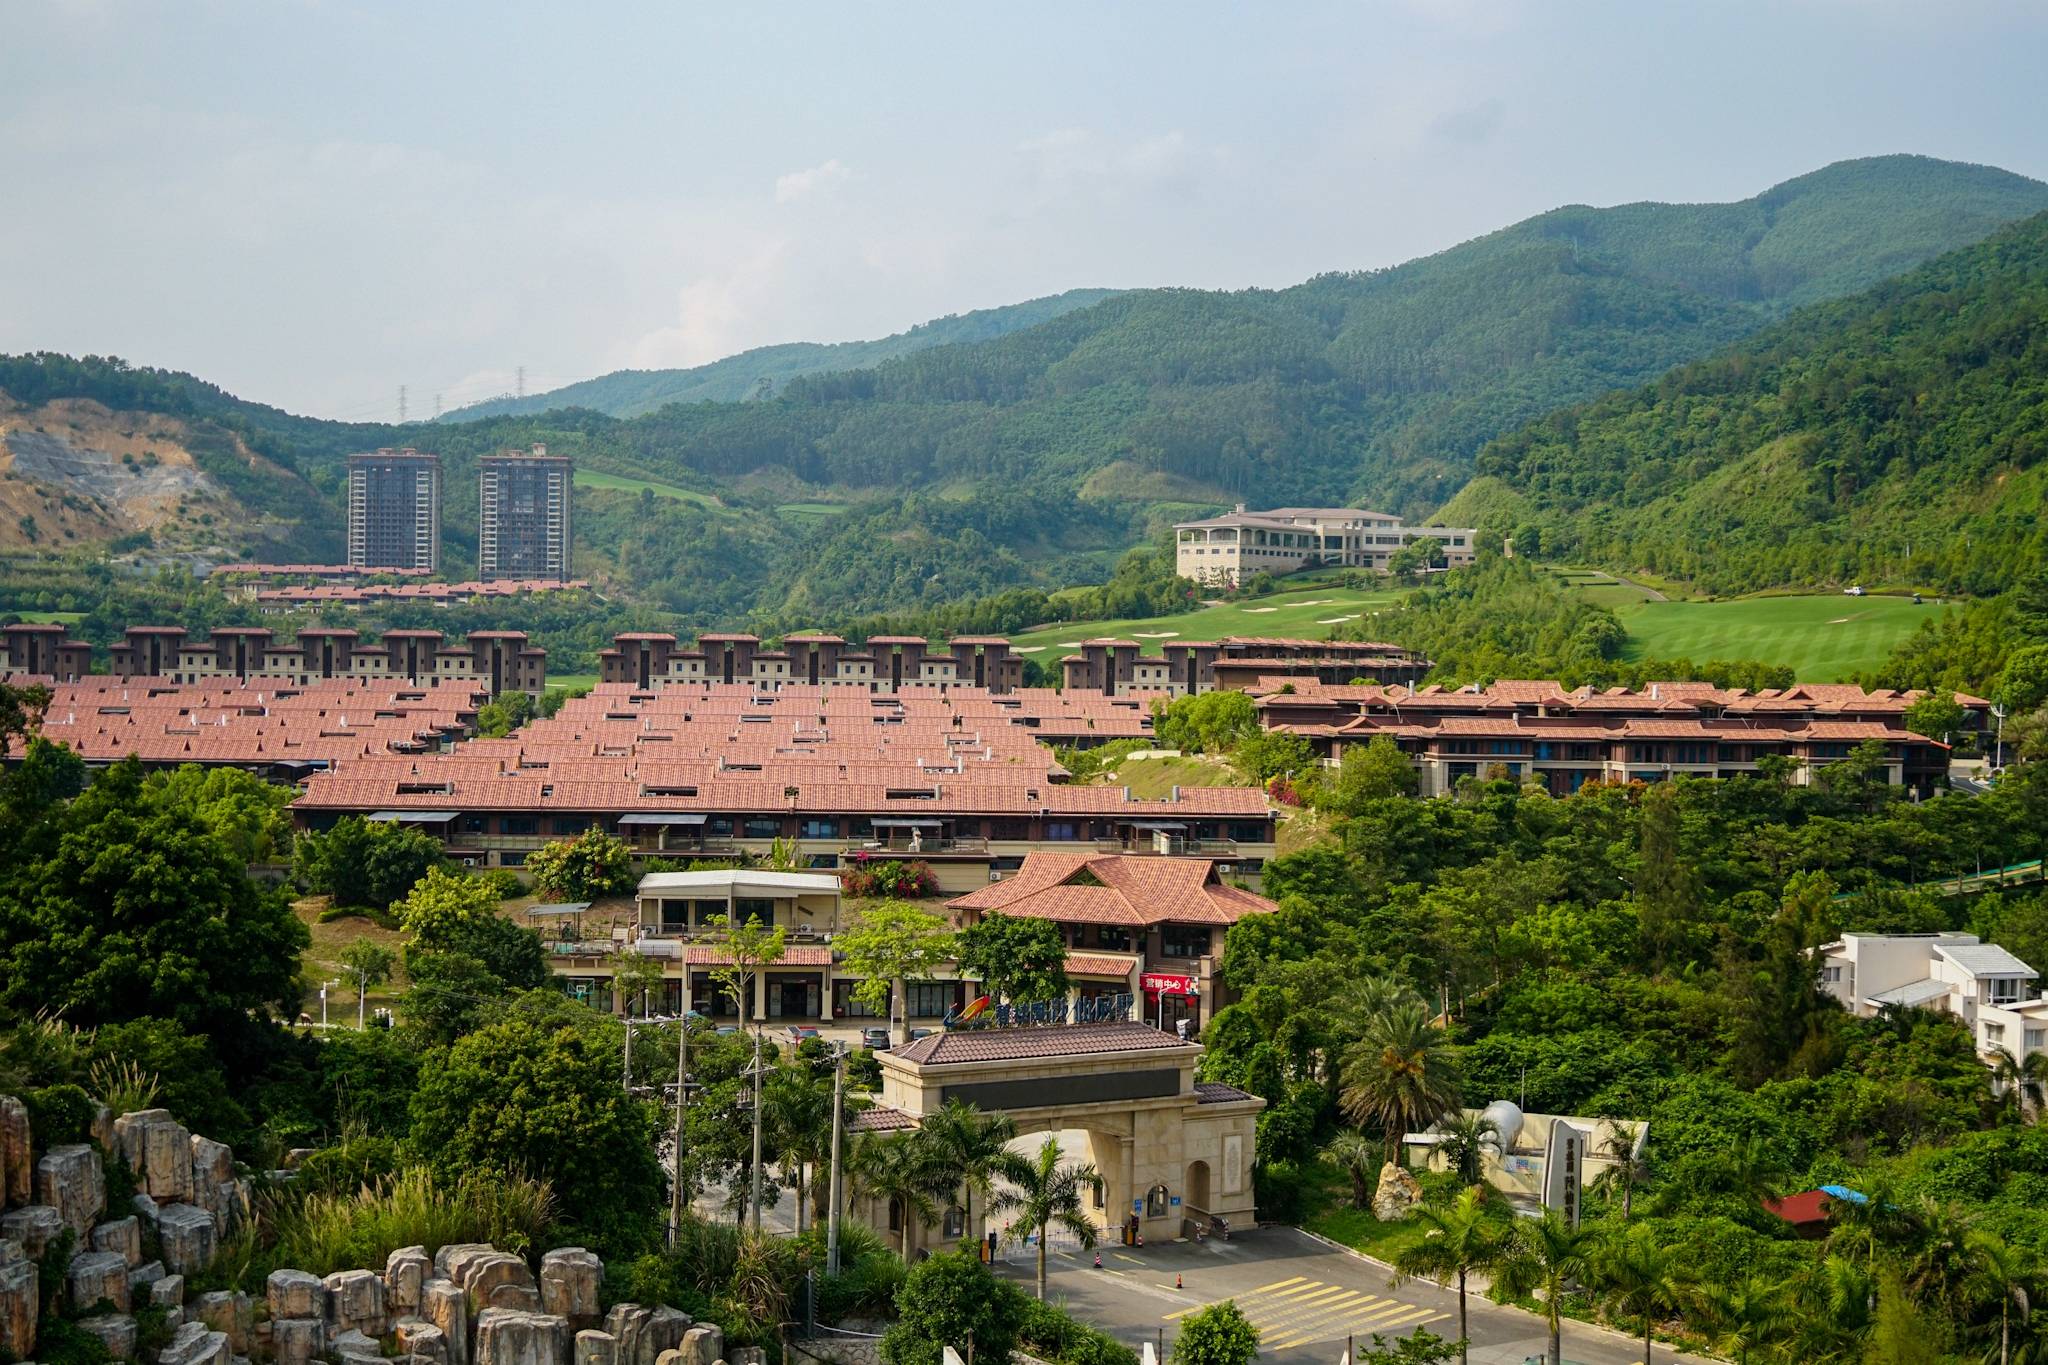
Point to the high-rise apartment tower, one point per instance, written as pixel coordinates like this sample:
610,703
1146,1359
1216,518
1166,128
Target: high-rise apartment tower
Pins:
523,515
394,510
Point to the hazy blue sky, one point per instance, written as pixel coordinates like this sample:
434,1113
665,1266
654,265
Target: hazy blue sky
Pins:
313,203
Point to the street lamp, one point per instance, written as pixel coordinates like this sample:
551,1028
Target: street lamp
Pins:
323,1000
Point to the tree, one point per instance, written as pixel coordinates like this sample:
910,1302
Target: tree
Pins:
969,1147
1209,722
893,942
798,1118
1466,1140
1626,1167
1015,958
1745,1316
898,1170
365,862
1545,1256
532,1094
2023,685
452,912
1373,771
1456,1241
118,904
953,1300
250,815
1359,1157
589,867
1266,754
2000,1273
1217,1335
1936,715
1640,1277
367,963
1399,1075
749,948
1047,1192
634,975
503,714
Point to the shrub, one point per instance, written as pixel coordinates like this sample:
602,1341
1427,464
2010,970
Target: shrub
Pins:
1052,1333
59,1114
589,867
951,1299
504,883
322,1233
365,862
888,878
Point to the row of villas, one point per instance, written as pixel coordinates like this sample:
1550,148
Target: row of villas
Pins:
957,780
498,660
1564,738
1150,929
886,663
1117,668
1225,551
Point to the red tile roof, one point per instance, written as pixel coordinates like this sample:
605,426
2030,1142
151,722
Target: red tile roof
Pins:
956,1046
1081,888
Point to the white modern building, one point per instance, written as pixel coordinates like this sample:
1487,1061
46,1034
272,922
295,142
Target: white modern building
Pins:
1980,983
1226,550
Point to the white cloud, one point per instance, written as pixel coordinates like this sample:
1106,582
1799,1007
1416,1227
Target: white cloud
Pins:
820,179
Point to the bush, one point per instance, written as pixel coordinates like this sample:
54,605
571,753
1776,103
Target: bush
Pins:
323,1233
1217,1335
59,1114
504,883
1280,1192
1051,1333
349,1166
890,879
365,862
950,1300
589,867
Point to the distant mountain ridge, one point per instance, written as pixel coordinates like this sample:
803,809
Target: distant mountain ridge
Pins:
1898,436
629,393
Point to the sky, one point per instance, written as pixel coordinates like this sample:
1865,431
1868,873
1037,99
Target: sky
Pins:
314,203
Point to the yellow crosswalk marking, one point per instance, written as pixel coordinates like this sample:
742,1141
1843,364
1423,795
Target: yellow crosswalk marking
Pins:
1118,1254
1277,1284
1311,1287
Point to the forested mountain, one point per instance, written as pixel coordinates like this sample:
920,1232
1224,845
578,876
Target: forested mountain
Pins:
1375,386
755,373
1037,457
1894,437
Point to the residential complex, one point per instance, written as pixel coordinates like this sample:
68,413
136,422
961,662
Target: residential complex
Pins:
523,515
1980,983
956,779
282,601
1564,738
1228,550
497,660
394,510
1184,668
885,664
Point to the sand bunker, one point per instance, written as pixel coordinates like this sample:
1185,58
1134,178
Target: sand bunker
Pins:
1259,611
1337,620
1157,634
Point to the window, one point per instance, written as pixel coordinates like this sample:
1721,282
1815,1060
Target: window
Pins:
570,824
1994,1035
519,824
929,999
2036,1039
1832,975
2005,990
759,911
815,828
956,1222
1180,940
1064,830
1115,938
761,827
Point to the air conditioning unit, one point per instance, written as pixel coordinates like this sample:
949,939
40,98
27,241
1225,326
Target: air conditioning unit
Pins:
469,862
995,874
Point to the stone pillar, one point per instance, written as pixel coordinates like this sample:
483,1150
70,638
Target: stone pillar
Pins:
761,996
20,1301
442,1303
17,1169
70,1180
570,1279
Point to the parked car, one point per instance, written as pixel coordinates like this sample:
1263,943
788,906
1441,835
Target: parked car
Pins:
918,1033
800,1034
875,1039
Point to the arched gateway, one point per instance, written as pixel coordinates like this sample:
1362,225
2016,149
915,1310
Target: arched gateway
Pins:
1152,1127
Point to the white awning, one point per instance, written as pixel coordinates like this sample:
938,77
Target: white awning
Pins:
413,817
666,817
894,823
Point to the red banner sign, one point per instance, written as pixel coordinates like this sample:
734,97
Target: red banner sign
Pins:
1160,984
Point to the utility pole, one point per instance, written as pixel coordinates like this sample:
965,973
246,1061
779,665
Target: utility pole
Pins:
756,1194
832,1187
676,1200
626,1073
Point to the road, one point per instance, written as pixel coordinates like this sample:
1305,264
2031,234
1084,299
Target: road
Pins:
1304,1297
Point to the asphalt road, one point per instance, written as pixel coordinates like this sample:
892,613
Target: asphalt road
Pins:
1304,1298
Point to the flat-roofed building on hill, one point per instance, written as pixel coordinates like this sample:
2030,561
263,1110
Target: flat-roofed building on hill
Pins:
394,509
1984,985
957,780
1184,668
524,504
1565,737
1229,550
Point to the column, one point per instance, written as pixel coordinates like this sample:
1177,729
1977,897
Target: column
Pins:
760,997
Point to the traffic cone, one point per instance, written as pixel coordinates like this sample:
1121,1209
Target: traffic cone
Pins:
1176,1279
1098,1260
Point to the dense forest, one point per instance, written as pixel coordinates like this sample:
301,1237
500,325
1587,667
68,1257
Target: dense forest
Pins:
757,373
1893,437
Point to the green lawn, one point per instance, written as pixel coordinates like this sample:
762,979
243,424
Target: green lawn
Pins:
67,618
810,511
591,478
574,681
1153,779
1824,637
1311,613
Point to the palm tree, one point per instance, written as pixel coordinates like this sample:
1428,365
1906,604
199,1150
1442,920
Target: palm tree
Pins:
1358,1156
1546,1256
798,1118
1872,1223
1999,1273
1834,1301
1640,1276
1400,1074
1047,1192
1466,1138
1742,1317
1455,1242
2020,1086
1626,1166
968,1146
898,1170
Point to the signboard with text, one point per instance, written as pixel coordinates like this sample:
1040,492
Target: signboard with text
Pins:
1163,983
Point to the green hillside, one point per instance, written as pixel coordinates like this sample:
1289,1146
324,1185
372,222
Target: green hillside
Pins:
628,393
1033,459
1896,437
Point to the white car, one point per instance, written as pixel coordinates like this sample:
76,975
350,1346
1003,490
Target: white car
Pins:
1856,591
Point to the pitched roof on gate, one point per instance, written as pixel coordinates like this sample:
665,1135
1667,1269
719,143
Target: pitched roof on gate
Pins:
1052,1040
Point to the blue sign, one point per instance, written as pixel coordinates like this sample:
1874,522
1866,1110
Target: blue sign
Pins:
1137,1206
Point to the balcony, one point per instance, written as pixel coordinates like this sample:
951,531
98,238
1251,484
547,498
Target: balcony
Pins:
651,846
902,846
1171,847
